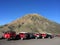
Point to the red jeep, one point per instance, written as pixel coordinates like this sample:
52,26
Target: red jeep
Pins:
9,35
37,35
43,35
24,35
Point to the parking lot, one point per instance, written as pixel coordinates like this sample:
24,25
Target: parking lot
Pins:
54,41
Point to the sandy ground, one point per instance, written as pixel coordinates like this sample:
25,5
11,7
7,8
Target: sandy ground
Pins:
54,41
1,34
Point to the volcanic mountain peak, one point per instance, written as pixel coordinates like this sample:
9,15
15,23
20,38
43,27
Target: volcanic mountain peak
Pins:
32,23
28,17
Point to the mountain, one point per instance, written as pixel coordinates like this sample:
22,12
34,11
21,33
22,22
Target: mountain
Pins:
32,23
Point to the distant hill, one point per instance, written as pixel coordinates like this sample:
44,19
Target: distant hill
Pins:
32,23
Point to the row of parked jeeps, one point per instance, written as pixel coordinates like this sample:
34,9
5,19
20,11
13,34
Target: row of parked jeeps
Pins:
24,35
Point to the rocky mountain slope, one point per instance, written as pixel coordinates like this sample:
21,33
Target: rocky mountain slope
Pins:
32,23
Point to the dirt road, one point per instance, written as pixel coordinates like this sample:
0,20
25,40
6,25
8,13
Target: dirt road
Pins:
54,41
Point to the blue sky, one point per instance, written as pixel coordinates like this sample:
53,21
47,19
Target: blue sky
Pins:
13,9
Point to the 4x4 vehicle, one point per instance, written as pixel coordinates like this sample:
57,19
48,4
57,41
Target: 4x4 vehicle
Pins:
9,35
24,35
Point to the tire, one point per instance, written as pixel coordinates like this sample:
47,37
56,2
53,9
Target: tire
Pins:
17,37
